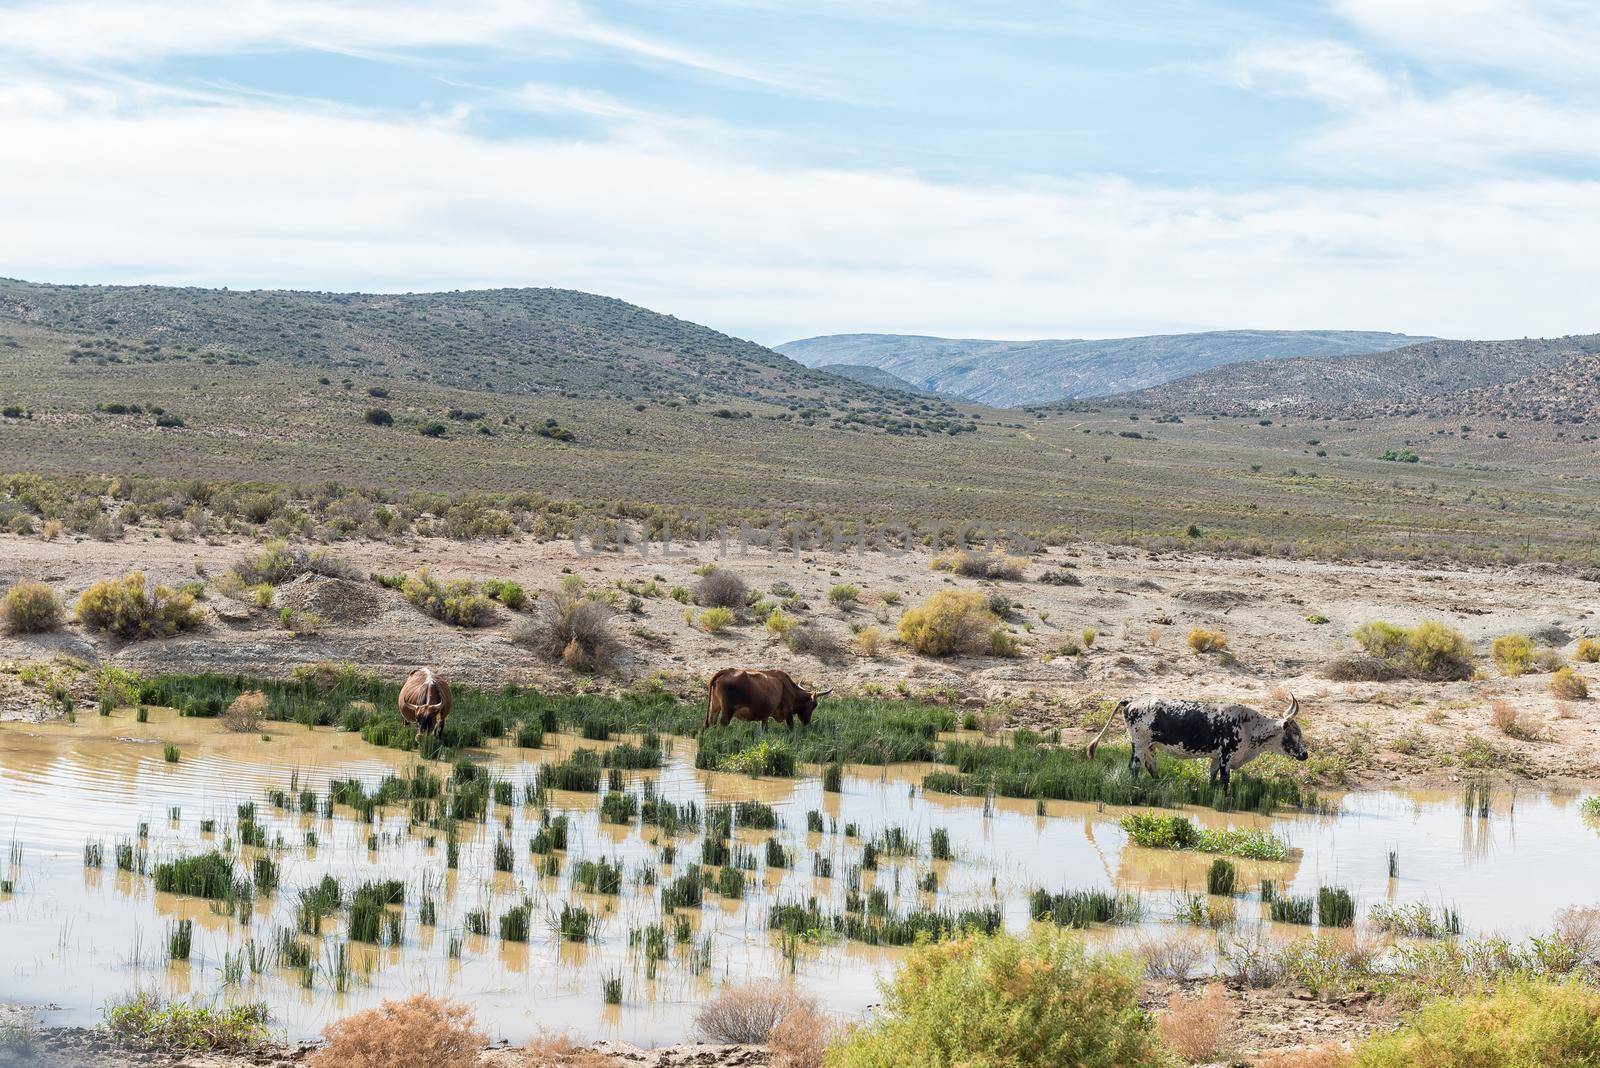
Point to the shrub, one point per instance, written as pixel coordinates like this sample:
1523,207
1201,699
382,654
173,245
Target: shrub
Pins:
954,623
1588,651
844,595
1057,577
245,713
573,629
1513,724
720,588
1521,1023
1568,685
1431,650
129,608
1513,654
30,608
457,601
779,624
984,1000
398,1034
748,1015
1197,1028
506,592
145,1018
801,1037
714,620
974,564
814,639
869,640
1207,641
380,417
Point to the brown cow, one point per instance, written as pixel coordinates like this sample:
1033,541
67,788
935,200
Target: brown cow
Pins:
757,696
425,701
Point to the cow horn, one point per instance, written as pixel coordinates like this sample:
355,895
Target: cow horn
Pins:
821,693
1294,707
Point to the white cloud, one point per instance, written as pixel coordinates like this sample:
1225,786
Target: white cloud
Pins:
1383,125
104,188
1539,38
89,32
1333,73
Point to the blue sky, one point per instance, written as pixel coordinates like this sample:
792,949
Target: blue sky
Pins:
1080,168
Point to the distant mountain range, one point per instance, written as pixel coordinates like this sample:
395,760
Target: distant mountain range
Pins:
1012,374
1529,378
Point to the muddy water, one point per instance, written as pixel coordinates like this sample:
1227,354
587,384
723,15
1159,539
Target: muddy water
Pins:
76,936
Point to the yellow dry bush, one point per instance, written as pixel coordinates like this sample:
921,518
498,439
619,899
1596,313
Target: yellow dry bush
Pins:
1513,654
1568,685
1207,641
129,607
869,641
30,608
1588,651
955,623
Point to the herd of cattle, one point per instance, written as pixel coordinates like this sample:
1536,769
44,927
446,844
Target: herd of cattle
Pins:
1229,735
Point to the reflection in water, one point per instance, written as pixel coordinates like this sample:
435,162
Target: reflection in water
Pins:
78,936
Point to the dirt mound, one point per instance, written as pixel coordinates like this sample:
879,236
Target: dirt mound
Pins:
337,601
1220,599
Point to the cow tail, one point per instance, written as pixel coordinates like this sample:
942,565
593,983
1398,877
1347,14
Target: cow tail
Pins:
1122,707
711,695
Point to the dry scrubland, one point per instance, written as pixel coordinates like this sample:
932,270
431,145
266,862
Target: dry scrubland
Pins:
1076,627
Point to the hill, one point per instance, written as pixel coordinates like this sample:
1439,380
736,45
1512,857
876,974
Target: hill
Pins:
515,341
326,414
871,376
1437,377
1010,374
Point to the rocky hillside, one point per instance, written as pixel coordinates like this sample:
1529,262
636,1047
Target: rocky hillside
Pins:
1017,373
871,376
1438,377
516,341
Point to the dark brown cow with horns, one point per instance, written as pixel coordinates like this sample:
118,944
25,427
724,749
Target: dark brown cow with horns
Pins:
757,696
425,701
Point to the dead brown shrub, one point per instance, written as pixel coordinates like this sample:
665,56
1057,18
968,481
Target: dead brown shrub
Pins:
748,1014
720,588
1514,724
1359,669
801,1037
1305,1057
550,1049
1197,1028
399,1034
573,629
245,714
1173,956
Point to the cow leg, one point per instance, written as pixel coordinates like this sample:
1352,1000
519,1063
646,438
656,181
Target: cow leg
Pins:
1220,768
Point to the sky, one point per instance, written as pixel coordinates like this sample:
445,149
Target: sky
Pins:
1076,168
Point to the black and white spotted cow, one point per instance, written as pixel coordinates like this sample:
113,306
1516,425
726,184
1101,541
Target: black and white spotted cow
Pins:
1232,735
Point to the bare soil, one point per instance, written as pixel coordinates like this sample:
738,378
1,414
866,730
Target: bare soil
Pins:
1140,606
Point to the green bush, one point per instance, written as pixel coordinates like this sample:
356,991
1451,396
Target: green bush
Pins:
1003,1000
1552,1025
1430,650
506,592
1513,654
714,620
457,601
130,608
955,623
145,1018
30,608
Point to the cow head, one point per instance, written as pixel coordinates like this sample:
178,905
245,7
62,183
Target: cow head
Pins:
1290,740
807,704
428,719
